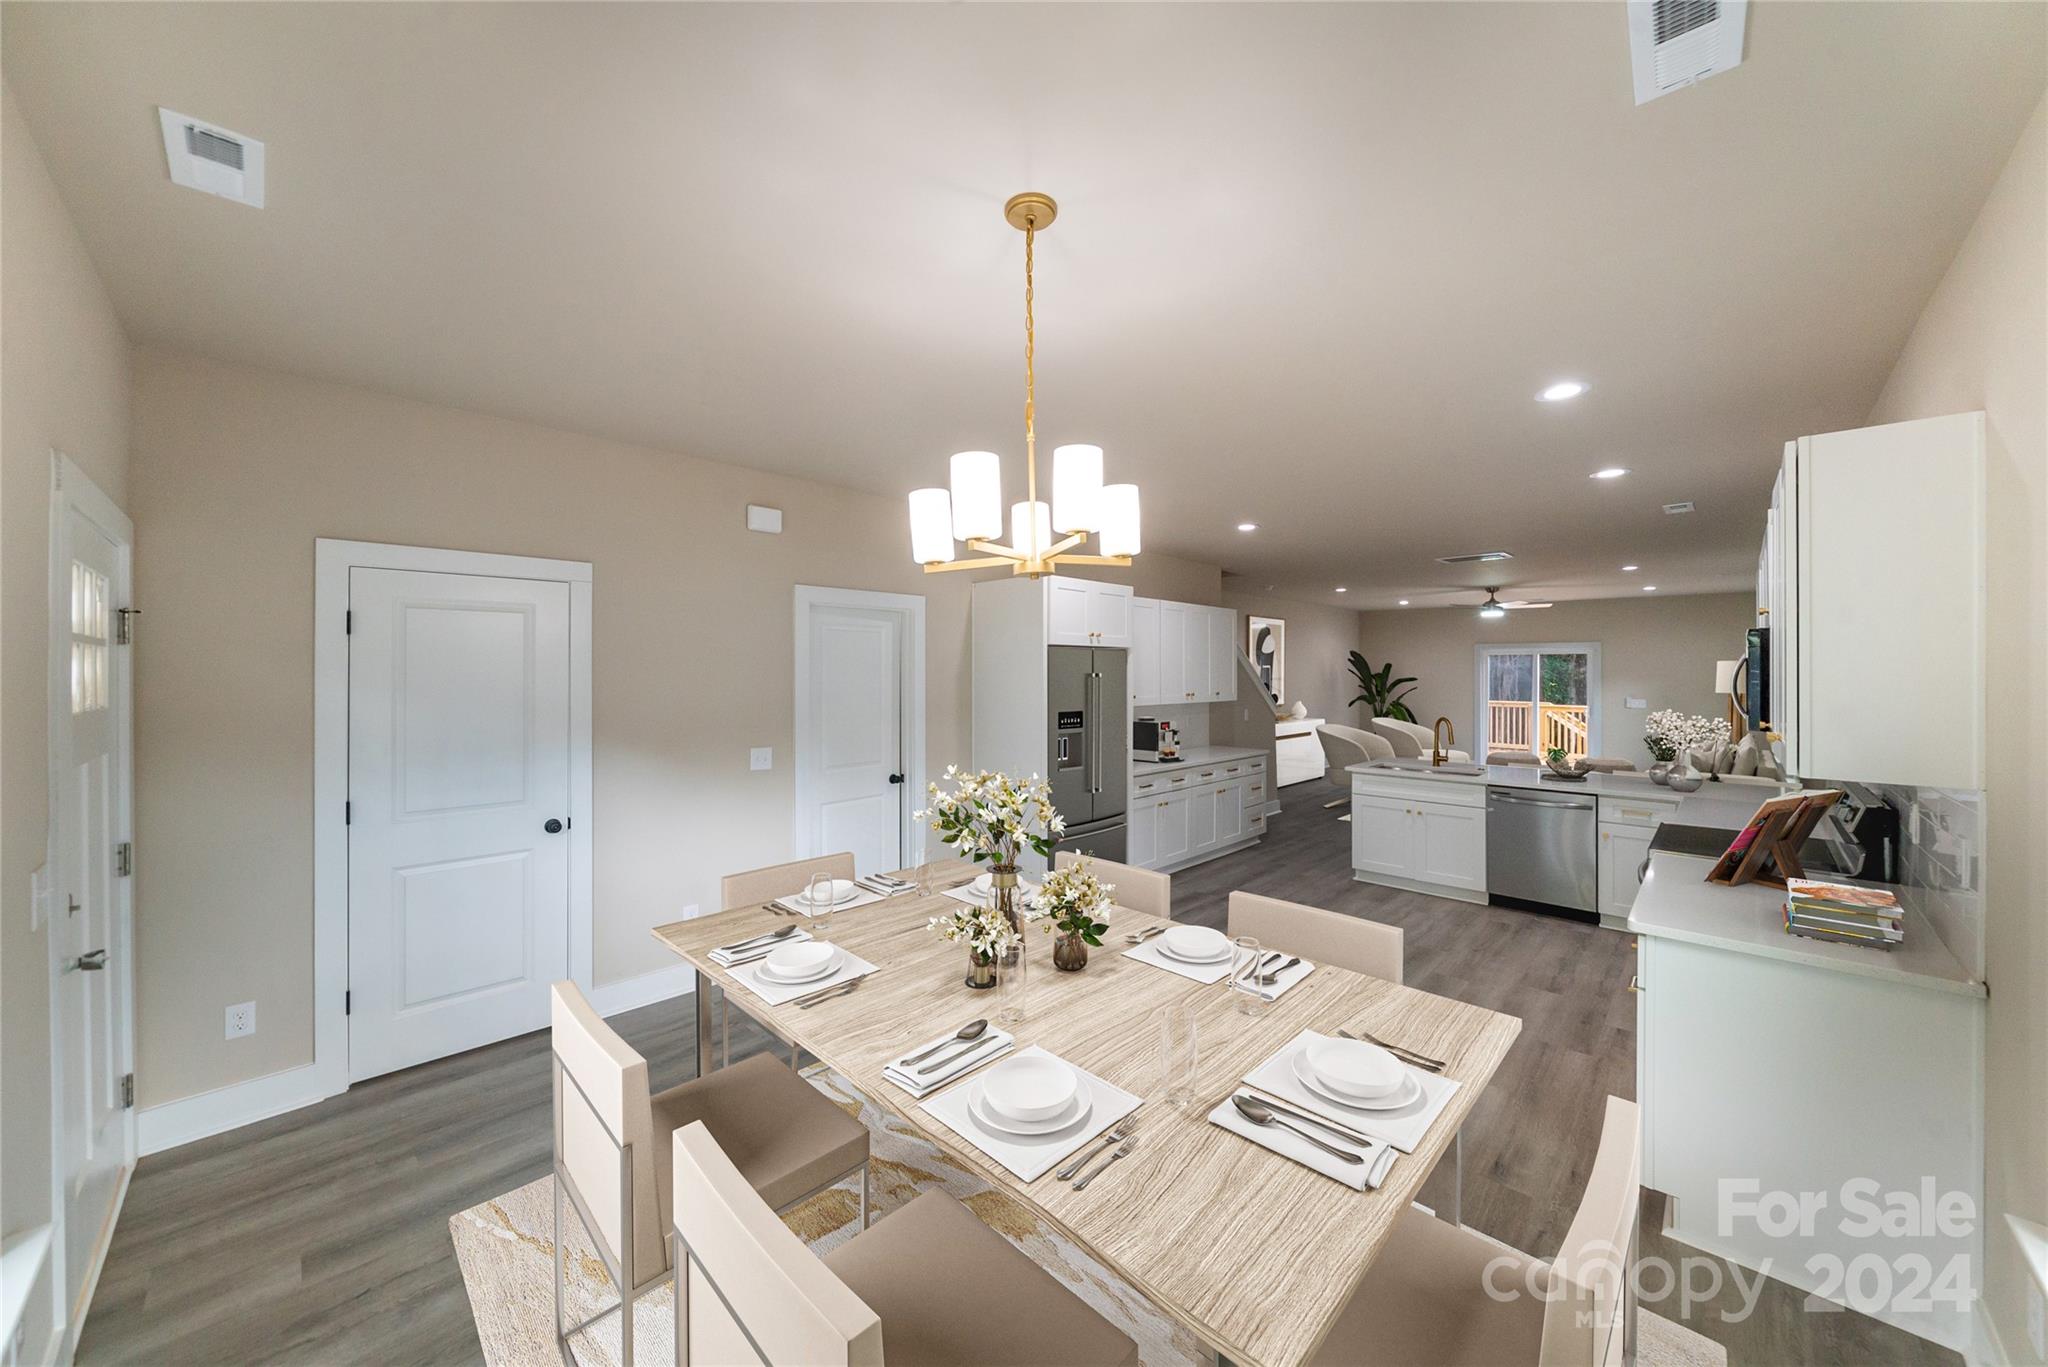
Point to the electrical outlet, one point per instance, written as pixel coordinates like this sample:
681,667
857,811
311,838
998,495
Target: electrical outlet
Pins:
691,912
241,1020
762,757
2037,1320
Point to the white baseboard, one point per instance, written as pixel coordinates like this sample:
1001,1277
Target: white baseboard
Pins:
608,999
225,1108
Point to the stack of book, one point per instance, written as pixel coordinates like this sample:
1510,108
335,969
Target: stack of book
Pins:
1837,911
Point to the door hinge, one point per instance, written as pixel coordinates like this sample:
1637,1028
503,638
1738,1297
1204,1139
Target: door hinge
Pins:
127,1089
124,625
348,622
347,1002
124,859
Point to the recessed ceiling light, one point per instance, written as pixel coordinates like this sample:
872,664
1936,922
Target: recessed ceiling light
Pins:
1562,390
1611,472
1342,589
1404,602
1630,569
1649,588
1247,526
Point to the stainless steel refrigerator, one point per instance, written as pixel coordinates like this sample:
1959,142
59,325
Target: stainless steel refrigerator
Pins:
1089,741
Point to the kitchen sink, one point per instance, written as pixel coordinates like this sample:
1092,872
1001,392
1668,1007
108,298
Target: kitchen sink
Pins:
1423,766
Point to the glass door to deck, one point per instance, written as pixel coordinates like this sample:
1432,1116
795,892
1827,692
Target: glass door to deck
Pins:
1537,698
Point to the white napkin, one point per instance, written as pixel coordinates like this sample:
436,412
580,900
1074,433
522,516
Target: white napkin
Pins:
1293,976
1402,1127
875,885
862,897
987,1049
851,966
1357,1176
1032,1156
967,893
724,957
1149,953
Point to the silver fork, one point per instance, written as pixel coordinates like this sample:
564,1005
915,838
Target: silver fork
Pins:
1120,1152
1121,1132
1434,1065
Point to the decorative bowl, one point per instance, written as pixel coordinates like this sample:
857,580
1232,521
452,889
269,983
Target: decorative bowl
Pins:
792,963
1573,768
1681,781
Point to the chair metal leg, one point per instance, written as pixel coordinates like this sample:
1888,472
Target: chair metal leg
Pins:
724,1031
792,1056
706,1044
863,1195
1458,1178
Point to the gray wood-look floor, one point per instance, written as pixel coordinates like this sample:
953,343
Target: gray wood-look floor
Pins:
321,1236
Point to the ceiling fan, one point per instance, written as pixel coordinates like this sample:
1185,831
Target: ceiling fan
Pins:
1493,608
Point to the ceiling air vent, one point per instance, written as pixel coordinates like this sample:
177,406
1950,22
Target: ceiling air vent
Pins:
1676,508
204,156
1475,558
1673,43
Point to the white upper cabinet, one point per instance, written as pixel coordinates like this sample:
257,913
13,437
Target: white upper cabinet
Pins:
1195,653
1222,655
1079,612
1143,673
1181,653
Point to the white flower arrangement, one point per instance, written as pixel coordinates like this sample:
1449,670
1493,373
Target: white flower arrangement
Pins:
993,818
984,930
1068,899
1669,733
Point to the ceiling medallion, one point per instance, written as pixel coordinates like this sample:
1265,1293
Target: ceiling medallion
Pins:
971,510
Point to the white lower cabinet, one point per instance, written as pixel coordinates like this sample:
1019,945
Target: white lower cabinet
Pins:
1436,846
1172,843
1450,846
1191,814
1622,852
1382,840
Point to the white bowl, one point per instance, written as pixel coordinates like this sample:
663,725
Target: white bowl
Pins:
1029,1087
1355,1068
836,891
793,962
1196,943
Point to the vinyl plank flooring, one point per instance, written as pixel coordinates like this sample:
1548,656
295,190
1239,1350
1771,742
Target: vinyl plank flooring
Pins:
320,1237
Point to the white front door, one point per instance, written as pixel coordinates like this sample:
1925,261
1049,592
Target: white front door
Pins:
458,808
90,915
851,770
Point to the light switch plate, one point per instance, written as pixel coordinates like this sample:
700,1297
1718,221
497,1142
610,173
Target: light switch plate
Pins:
1638,704
760,519
762,757
39,898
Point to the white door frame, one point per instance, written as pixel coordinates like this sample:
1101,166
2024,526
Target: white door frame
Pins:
1589,649
911,606
72,491
332,561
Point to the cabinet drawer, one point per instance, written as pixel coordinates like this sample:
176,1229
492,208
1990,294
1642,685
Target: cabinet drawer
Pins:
1146,784
1628,811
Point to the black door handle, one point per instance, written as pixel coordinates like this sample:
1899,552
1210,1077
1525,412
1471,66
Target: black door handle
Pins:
896,778
553,826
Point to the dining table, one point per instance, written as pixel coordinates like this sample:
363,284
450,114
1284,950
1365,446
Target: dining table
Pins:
1254,1253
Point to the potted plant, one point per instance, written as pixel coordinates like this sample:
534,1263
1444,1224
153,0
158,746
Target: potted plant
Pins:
1376,689
1068,901
992,819
988,935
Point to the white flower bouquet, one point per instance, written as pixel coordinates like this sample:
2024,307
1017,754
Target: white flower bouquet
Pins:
993,818
987,933
1069,898
1670,733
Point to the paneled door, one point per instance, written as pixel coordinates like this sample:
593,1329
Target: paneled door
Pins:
459,700
850,765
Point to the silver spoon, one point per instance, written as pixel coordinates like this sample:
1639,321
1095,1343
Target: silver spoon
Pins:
1272,975
1259,1115
971,1030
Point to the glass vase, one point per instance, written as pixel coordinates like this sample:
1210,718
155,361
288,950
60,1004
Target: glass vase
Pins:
1003,887
981,972
1069,952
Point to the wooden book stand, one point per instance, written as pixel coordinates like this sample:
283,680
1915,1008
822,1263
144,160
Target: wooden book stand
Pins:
1767,849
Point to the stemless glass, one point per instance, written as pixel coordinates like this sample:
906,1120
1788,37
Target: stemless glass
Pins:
1179,1055
935,852
1243,980
818,903
1012,980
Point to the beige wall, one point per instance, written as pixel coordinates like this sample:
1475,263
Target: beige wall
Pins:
1662,650
1319,644
64,384
1982,342
238,470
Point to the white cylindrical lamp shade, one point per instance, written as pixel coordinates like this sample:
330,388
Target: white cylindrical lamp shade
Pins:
977,496
1025,518
1119,519
1077,488
931,526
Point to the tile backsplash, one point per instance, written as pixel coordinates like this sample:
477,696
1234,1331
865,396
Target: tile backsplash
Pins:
1941,860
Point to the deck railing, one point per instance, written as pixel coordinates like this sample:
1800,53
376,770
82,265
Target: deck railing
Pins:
1558,726
1507,725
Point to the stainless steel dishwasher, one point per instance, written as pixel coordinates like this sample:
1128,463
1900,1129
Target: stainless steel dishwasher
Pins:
1543,846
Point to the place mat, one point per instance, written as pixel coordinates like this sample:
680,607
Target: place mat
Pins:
725,959
1365,1176
987,1049
1148,953
1293,977
966,893
775,994
862,897
1402,1127
1031,1156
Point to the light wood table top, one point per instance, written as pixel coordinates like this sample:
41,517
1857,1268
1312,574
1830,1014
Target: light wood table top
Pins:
1254,1253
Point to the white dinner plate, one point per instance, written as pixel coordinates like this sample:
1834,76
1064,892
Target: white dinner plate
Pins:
1355,1067
1196,944
820,969
1306,1076
1168,951
1030,1088
1077,1111
837,891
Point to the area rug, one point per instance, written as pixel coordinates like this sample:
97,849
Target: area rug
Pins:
506,1251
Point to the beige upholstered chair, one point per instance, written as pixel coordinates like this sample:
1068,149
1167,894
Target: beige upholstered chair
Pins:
931,1284
1425,1299
756,886
1413,740
1344,746
1139,889
612,1146
1323,937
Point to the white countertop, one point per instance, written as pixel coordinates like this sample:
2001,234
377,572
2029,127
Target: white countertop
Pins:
1192,756
1677,903
1630,785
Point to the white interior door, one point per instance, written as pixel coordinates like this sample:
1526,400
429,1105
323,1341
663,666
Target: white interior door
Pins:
459,698
851,765
90,919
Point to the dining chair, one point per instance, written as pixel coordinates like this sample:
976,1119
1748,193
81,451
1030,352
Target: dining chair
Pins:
756,886
1435,1295
1324,937
930,1284
612,1139
1142,890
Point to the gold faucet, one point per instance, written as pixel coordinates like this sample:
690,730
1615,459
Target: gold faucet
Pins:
1440,742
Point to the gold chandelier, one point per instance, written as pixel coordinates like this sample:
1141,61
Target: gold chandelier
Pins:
972,509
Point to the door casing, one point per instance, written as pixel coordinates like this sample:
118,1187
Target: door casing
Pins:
911,606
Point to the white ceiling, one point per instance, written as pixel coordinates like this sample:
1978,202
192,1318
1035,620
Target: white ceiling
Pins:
1311,263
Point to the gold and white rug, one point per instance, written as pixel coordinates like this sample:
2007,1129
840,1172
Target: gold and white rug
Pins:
506,1252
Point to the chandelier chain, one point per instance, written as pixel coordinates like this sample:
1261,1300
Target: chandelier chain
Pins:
1030,383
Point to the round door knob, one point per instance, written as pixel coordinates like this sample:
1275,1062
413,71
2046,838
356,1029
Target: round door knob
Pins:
553,826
